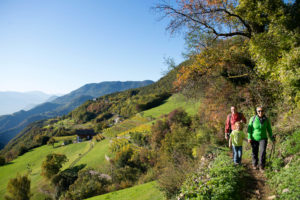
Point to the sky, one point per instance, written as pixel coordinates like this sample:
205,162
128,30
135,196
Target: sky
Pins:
57,46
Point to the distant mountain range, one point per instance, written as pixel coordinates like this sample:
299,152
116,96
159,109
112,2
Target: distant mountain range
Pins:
14,101
11,125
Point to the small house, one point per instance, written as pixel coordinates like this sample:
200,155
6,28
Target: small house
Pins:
86,134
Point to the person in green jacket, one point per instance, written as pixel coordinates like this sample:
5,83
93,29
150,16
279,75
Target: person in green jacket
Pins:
258,127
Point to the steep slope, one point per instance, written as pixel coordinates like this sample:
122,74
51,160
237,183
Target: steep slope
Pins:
10,125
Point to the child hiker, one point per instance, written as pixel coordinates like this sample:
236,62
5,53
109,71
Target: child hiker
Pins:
236,142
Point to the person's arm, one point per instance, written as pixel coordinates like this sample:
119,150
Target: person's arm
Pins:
230,142
250,130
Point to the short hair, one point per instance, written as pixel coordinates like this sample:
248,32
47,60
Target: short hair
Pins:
259,107
239,123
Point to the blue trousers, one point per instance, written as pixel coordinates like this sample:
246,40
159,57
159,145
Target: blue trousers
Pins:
237,154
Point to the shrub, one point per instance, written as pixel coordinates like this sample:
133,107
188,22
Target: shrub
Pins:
52,164
89,183
219,181
18,188
286,182
64,179
67,142
180,141
140,139
22,150
179,116
41,139
2,160
291,145
51,142
172,175
159,130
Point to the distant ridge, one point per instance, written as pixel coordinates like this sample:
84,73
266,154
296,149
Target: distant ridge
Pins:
14,101
11,125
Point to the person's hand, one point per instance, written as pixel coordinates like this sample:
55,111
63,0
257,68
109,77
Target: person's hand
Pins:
226,136
249,140
230,146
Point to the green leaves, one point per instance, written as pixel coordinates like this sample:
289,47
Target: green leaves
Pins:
52,164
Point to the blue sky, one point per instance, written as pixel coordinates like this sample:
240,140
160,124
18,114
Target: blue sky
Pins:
56,46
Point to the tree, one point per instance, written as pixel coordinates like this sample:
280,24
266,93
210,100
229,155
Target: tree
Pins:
52,164
51,142
2,160
18,188
221,18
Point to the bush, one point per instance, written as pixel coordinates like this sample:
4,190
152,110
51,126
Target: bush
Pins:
52,164
219,181
159,130
2,160
22,150
291,145
67,142
64,179
41,139
140,139
180,141
18,188
89,183
179,116
172,175
286,182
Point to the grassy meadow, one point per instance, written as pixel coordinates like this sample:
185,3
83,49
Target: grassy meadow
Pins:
147,191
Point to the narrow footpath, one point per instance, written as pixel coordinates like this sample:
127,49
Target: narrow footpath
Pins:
255,186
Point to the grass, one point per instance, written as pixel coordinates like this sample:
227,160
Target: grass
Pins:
147,191
96,157
33,161
175,101
63,138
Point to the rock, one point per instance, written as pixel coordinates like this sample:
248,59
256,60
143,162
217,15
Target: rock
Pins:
285,190
272,197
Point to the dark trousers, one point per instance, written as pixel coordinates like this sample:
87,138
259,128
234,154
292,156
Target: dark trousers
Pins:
261,147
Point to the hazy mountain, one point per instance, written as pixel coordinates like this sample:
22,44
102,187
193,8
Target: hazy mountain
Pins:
11,125
14,101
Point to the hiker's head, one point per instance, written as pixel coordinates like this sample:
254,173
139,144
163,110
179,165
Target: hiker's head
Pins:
238,126
260,111
233,109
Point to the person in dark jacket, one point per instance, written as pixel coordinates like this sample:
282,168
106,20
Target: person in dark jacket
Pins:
259,126
235,116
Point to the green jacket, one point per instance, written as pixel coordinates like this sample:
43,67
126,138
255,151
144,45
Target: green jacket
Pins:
258,131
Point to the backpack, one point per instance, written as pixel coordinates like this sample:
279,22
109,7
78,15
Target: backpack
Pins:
252,122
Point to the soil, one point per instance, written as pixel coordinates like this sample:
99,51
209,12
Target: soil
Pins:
254,181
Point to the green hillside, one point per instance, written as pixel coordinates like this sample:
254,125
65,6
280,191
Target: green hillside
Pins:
11,125
32,161
91,154
147,191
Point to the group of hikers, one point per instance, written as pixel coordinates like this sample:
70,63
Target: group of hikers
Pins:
258,127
